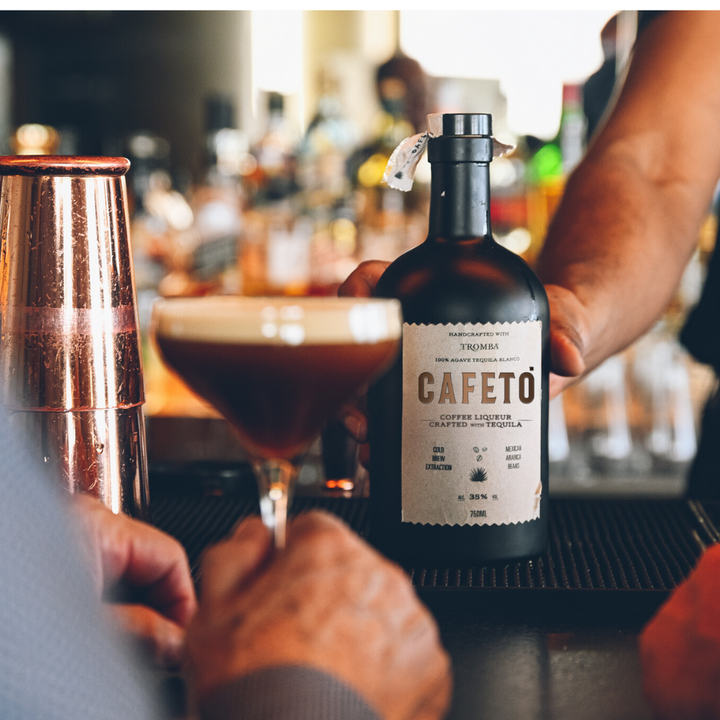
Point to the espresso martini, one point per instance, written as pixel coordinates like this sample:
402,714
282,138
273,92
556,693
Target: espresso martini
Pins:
277,368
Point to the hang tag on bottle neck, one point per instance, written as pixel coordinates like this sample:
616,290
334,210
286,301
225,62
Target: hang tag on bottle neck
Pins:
400,171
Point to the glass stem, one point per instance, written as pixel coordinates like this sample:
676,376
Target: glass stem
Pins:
275,479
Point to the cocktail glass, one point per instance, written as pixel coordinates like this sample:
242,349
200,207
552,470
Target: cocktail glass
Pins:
277,369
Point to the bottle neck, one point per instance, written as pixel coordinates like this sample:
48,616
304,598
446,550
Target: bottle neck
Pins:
460,200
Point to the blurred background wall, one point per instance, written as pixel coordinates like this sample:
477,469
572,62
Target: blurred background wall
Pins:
258,140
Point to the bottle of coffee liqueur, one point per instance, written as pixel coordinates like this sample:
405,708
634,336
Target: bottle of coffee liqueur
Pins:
458,427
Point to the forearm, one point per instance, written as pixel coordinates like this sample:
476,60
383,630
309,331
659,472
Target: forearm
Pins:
631,214
620,242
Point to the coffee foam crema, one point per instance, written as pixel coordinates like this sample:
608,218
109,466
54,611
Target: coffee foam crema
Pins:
278,321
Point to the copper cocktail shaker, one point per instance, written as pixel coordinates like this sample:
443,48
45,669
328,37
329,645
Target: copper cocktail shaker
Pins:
70,359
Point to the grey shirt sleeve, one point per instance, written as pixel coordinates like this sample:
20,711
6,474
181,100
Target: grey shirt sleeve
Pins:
59,658
290,692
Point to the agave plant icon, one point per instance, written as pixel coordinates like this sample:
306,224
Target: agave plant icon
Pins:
478,475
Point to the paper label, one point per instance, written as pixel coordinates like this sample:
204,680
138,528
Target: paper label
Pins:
471,426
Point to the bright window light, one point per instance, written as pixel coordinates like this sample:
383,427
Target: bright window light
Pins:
531,53
277,51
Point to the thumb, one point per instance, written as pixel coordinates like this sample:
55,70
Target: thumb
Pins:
568,332
361,282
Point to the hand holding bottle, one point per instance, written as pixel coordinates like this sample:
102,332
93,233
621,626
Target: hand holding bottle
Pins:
568,330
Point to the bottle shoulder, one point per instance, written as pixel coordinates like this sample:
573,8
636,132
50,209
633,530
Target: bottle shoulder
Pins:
464,281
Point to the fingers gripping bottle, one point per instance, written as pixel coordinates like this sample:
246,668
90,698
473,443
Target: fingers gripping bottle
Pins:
458,427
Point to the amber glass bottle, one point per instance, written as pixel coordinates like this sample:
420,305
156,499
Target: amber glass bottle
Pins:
458,427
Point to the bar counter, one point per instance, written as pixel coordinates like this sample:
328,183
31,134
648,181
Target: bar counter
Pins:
514,660
549,638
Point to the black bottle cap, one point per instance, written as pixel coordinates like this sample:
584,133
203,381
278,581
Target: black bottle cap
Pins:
467,124
466,137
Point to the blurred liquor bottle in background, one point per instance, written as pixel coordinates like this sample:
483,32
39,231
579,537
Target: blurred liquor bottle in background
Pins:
401,89
324,151
392,222
275,175
573,128
661,379
549,166
156,218
325,187
509,209
333,253
275,257
275,252
218,202
163,237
